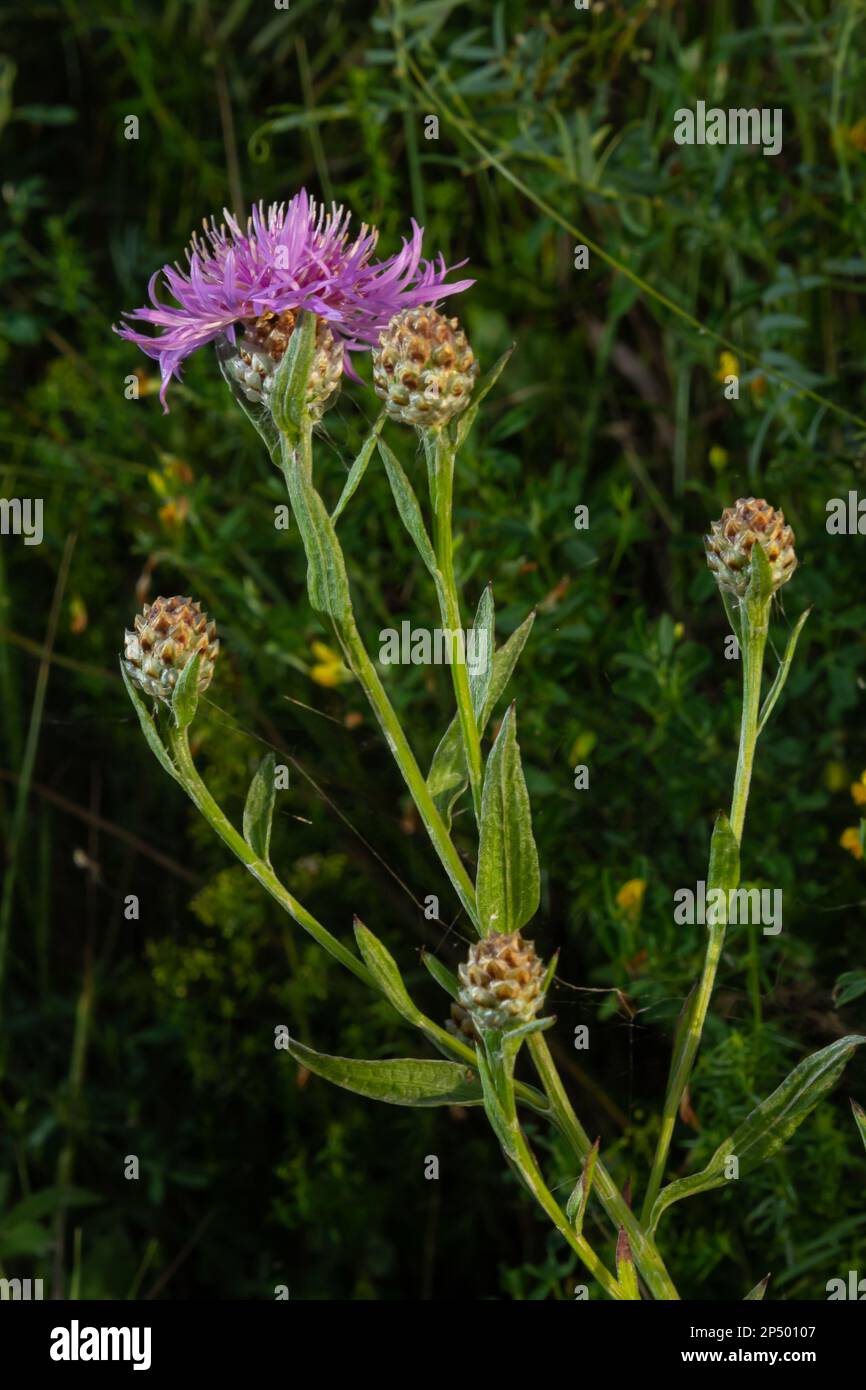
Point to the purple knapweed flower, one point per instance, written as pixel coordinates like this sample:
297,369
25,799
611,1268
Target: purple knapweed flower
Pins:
292,256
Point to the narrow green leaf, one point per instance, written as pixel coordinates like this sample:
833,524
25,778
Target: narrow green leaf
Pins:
358,469
550,972
768,1126
184,697
289,392
760,588
384,969
403,1081
484,641
626,1273
327,580
448,777
757,1293
724,867
859,1120
148,727
782,674
505,1130
508,884
486,384
441,974
259,808
576,1206
45,1203
409,507
850,985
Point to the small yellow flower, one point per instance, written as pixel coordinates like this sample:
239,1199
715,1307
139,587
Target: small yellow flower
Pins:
854,135
630,895
582,746
858,791
328,669
77,615
718,457
850,840
728,366
835,776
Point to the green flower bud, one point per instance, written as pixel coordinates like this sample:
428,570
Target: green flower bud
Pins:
260,349
501,983
165,636
423,368
729,545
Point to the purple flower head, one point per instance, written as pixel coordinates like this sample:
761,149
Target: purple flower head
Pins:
292,256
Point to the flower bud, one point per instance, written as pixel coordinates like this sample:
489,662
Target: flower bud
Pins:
729,545
165,636
423,369
460,1024
501,983
260,348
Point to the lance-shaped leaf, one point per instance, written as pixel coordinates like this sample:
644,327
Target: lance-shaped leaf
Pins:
724,866
259,808
625,1271
289,392
327,580
409,508
448,777
757,1293
849,986
486,384
859,1119
184,697
508,884
384,969
358,469
577,1203
760,589
403,1081
768,1127
148,727
782,674
480,671
441,974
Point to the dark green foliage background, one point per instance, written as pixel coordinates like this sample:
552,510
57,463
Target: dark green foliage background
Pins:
250,1178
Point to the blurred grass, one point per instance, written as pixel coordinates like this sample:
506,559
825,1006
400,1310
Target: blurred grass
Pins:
551,121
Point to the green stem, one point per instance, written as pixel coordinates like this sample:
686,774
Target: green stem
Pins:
440,464
359,662
647,1257
755,620
497,1073
261,871
201,798
525,1163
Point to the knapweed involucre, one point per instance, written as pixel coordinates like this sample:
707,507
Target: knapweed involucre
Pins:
501,983
165,636
424,368
256,354
729,545
244,285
